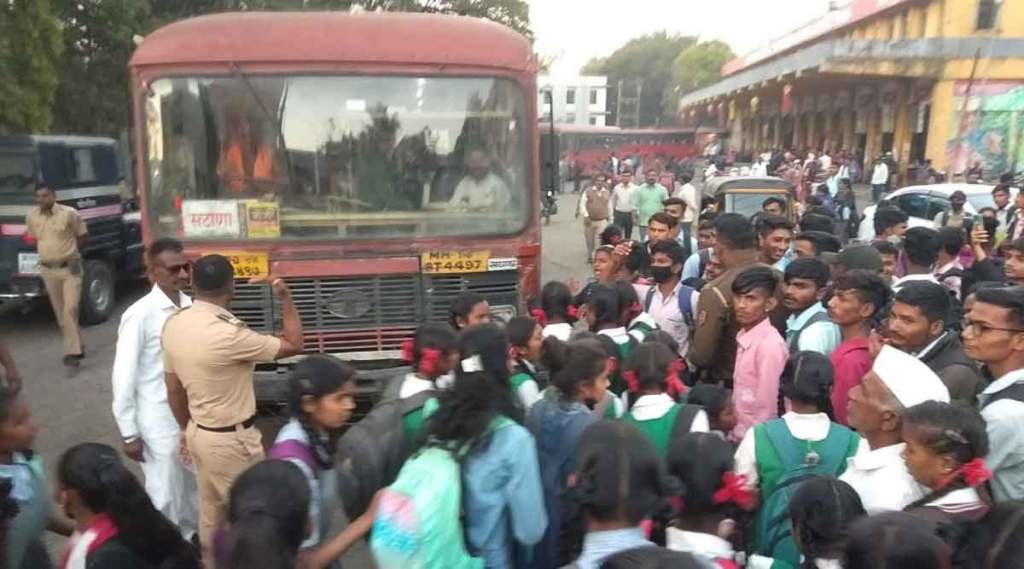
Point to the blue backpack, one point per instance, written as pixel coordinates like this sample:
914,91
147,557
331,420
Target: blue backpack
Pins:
685,296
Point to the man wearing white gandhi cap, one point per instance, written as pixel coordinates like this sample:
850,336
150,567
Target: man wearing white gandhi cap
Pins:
877,472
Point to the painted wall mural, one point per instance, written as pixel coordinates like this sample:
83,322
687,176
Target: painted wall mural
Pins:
992,129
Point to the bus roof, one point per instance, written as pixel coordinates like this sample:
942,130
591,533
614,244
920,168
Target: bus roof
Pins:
336,37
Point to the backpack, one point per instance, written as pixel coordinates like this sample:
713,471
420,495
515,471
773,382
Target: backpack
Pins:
684,295
370,453
417,522
794,342
778,449
1014,392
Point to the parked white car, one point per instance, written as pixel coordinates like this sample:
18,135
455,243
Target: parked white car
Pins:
923,203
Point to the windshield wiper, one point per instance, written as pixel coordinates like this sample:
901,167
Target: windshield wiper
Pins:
266,113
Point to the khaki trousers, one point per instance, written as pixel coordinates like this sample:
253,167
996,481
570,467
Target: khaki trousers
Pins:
219,459
591,231
65,292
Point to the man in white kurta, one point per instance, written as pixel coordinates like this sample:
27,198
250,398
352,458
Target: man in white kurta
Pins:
482,189
148,429
877,472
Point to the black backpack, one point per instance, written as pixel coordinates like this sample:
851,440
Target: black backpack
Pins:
1014,393
370,454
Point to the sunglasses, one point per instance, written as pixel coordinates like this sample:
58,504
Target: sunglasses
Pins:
174,269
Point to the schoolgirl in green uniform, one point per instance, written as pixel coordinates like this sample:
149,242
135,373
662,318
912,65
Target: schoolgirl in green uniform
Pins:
652,377
525,339
431,353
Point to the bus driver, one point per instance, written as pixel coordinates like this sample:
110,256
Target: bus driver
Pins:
481,189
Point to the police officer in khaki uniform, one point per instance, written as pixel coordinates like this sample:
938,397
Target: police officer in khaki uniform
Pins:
60,236
209,358
713,348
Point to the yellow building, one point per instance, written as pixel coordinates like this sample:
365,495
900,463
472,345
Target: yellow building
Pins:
935,79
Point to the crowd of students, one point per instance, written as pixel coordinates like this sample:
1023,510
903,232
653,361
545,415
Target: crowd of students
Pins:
773,399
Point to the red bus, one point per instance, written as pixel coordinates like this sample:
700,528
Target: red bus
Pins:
382,163
590,146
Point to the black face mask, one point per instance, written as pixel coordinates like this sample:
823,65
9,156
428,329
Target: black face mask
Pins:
661,274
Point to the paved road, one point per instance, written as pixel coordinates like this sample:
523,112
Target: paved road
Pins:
75,407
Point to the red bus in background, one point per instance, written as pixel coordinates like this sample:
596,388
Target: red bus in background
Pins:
589,147
345,153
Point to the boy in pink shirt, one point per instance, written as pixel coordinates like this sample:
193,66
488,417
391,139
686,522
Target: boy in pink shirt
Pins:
761,352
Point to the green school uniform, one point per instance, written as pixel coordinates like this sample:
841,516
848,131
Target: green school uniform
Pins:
659,430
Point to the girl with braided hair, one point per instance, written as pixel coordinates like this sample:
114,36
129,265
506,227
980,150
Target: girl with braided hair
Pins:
116,524
710,499
431,353
320,401
654,387
821,512
946,446
617,484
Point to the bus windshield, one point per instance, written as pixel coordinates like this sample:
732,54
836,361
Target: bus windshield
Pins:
336,157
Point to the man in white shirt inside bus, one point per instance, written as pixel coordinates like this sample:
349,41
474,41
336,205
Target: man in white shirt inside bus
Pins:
482,189
149,432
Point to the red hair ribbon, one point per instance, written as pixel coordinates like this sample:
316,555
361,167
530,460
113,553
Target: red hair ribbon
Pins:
673,385
407,350
632,381
975,472
677,503
635,310
734,489
572,312
430,359
539,316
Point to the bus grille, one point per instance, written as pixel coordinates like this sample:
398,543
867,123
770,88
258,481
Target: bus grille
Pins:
387,308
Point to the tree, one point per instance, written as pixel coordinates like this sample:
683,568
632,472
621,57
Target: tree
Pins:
30,44
696,67
645,63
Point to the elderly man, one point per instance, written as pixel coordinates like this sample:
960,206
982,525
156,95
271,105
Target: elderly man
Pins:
481,189
877,472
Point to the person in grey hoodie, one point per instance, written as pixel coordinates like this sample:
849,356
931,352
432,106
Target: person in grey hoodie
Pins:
579,379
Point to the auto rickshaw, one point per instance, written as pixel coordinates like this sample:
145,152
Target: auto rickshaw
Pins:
745,194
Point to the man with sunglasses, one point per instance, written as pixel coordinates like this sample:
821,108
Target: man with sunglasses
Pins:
149,432
994,335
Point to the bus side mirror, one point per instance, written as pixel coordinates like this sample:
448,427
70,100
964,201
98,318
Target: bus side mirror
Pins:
549,162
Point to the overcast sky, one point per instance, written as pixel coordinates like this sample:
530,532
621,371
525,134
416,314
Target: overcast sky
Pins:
576,30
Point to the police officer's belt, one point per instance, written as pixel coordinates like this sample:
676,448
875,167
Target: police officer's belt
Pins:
244,425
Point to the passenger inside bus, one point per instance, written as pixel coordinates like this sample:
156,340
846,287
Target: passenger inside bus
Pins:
481,188
246,156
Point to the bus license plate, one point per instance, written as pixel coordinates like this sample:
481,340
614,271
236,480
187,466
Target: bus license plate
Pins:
28,263
248,265
440,262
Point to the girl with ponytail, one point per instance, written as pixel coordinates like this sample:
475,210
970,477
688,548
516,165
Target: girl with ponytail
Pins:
654,387
320,401
617,485
116,525
709,500
946,446
267,518
431,353
821,512
579,378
